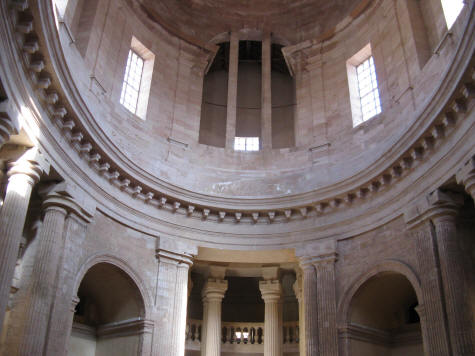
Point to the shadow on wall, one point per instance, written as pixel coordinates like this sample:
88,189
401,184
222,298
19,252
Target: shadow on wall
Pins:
109,316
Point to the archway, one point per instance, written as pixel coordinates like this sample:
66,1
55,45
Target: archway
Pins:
382,318
109,318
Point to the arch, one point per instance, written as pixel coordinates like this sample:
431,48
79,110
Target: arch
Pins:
385,266
124,267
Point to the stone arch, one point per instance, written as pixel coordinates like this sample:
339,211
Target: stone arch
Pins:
386,266
125,268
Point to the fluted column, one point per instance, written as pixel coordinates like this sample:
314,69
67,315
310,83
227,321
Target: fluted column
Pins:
445,318
23,175
271,291
232,89
204,326
466,176
213,294
43,280
431,309
299,295
453,279
310,307
80,211
173,286
326,307
266,94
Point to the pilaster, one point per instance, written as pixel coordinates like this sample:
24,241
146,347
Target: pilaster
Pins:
266,95
445,317
326,304
173,286
232,90
23,175
47,306
310,326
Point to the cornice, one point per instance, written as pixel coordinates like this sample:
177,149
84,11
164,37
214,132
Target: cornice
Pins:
443,112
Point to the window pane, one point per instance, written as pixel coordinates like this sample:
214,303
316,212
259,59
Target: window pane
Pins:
131,84
368,89
452,9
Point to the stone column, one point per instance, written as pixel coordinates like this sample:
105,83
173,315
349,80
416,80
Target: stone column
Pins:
445,320
271,291
466,177
299,295
266,94
24,174
213,294
173,289
232,90
326,307
453,275
310,306
40,296
80,211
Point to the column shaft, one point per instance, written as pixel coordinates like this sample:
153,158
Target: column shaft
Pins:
266,95
271,329
327,329
232,90
213,293
204,327
298,293
310,310
271,292
460,328
179,310
213,328
12,220
44,277
61,319
433,318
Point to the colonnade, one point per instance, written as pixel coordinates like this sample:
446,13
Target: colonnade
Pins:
445,318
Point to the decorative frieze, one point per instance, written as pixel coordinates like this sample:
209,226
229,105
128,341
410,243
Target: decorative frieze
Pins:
414,154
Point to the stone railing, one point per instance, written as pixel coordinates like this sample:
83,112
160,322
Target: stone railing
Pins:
235,336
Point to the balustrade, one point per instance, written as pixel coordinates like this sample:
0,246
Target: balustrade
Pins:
242,334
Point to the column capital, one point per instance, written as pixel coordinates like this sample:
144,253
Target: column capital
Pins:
466,176
270,290
318,262
214,289
68,197
433,206
31,164
164,256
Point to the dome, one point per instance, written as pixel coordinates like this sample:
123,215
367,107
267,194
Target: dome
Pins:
273,177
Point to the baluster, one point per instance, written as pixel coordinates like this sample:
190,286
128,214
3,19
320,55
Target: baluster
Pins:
233,336
187,331
245,335
238,335
284,332
259,335
291,334
193,332
297,334
199,333
224,334
252,335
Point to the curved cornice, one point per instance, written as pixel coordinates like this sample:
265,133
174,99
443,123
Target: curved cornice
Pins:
441,115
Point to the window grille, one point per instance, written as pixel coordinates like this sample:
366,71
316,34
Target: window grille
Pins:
246,143
368,89
132,79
